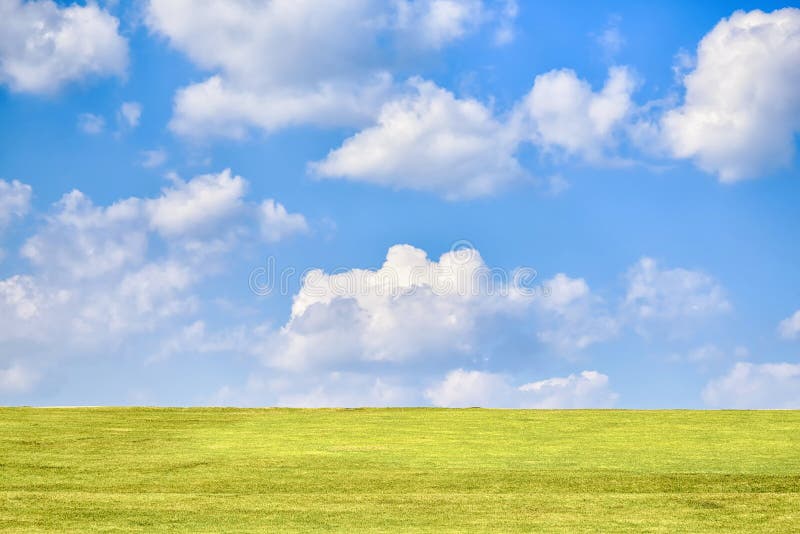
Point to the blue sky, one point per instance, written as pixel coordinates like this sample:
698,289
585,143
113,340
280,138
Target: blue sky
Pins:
640,160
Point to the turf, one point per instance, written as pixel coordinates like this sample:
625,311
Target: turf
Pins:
425,470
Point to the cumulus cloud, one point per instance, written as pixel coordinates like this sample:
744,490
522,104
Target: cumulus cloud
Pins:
81,240
411,307
15,200
196,206
20,297
660,295
44,46
741,110
218,108
431,141
92,282
571,317
332,70
461,388
562,113
756,386
789,328
96,277
434,23
414,308
745,129
277,223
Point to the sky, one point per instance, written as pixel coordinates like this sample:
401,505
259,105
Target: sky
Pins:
400,203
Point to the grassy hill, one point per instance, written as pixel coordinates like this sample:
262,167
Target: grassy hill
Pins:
426,470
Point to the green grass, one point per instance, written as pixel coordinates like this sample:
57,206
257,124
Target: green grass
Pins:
420,470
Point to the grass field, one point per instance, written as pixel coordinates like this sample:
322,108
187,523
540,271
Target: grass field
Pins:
100,469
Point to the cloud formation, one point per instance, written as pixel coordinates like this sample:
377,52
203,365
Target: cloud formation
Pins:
332,69
99,274
756,386
429,141
741,110
44,47
130,113
17,379
15,200
789,328
562,113
462,389
410,308
678,296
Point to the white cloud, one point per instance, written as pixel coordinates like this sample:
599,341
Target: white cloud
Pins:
44,46
461,388
81,240
219,108
430,141
672,295
20,297
17,379
324,73
95,276
571,317
196,206
504,33
413,307
15,201
154,158
317,40
741,111
410,308
131,113
200,217
434,23
464,389
333,68
789,328
756,386
277,223
140,300
589,389
562,113
91,124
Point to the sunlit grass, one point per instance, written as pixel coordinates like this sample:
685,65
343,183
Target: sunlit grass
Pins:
389,469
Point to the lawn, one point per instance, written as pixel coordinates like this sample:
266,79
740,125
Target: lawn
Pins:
425,470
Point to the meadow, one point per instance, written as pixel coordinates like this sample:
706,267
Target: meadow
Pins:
384,470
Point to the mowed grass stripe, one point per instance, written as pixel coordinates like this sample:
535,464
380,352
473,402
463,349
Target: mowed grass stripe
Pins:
144,469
